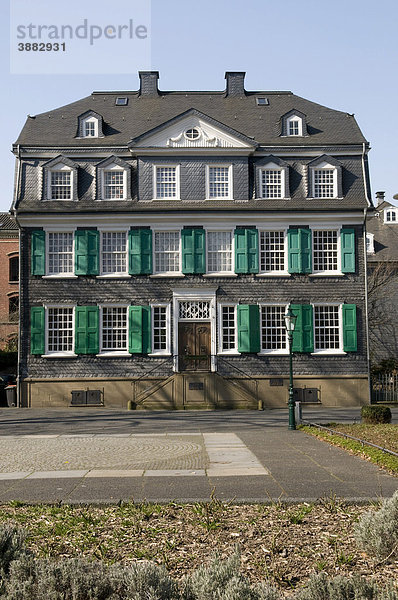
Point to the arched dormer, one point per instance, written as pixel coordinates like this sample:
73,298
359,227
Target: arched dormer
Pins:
325,178
113,179
60,179
90,125
294,124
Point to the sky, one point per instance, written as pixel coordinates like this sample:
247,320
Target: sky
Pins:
341,54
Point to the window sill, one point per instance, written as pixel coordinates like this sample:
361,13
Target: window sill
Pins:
60,355
327,274
60,276
222,274
160,354
114,276
273,353
329,353
112,354
160,275
225,353
11,282
326,198
281,274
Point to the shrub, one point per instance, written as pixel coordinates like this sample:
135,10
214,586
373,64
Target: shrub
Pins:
377,531
376,414
344,588
11,546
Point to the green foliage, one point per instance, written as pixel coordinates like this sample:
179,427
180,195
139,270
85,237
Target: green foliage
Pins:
343,588
376,414
388,365
377,531
11,546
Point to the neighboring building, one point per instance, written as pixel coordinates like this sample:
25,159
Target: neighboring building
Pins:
165,234
9,281
382,248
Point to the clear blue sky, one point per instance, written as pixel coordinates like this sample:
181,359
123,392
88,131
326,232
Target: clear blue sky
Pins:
341,54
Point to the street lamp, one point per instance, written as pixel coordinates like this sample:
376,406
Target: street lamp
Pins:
290,323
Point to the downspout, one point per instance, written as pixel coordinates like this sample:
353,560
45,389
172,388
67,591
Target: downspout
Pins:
365,210
13,211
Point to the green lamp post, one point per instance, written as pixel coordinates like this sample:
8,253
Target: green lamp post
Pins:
290,323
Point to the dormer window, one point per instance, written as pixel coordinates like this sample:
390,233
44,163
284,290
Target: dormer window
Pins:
390,215
60,179
370,248
114,179
294,124
90,125
272,178
325,178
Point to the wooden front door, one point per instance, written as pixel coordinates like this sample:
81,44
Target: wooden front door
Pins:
194,348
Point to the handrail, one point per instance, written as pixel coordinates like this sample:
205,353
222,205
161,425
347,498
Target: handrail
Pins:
222,359
165,360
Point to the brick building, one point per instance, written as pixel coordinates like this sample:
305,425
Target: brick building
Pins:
9,280
165,234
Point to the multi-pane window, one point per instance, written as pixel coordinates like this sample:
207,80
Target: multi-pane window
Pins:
271,183
219,251
167,251
273,331
166,182
159,327
114,184
60,330
294,127
13,309
60,185
114,328
219,184
114,252
60,253
391,216
326,327
272,251
324,183
228,328
90,128
325,248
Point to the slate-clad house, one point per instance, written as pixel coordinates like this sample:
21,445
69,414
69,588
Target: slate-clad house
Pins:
164,235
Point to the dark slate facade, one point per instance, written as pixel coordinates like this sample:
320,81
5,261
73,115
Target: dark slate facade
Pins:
163,240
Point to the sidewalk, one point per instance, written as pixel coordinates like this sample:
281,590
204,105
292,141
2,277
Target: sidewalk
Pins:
106,456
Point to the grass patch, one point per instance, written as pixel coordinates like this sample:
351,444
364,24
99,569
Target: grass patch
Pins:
383,435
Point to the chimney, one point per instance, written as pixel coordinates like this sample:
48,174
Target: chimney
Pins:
379,198
235,83
149,83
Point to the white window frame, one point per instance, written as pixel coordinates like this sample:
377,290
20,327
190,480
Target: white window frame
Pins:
388,212
119,352
336,271
109,169
60,168
281,273
69,274
166,351
166,273
370,248
230,181
60,353
299,121
324,167
177,181
229,273
114,274
331,351
231,351
89,120
275,168
279,351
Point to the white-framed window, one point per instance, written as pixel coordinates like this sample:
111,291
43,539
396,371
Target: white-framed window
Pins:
272,183
294,126
370,248
114,183
113,252
60,257
325,250
324,182
219,182
219,252
167,184
273,330
390,215
160,329
273,251
227,329
327,328
60,182
114,329
166,250
90,127
60,330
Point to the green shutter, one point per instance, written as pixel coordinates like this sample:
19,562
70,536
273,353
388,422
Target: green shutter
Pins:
246,250
87,330
140,252
86,252
347,250
37,330
248,317
303,334
349,328
140,329
193,251
38,252
299,250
